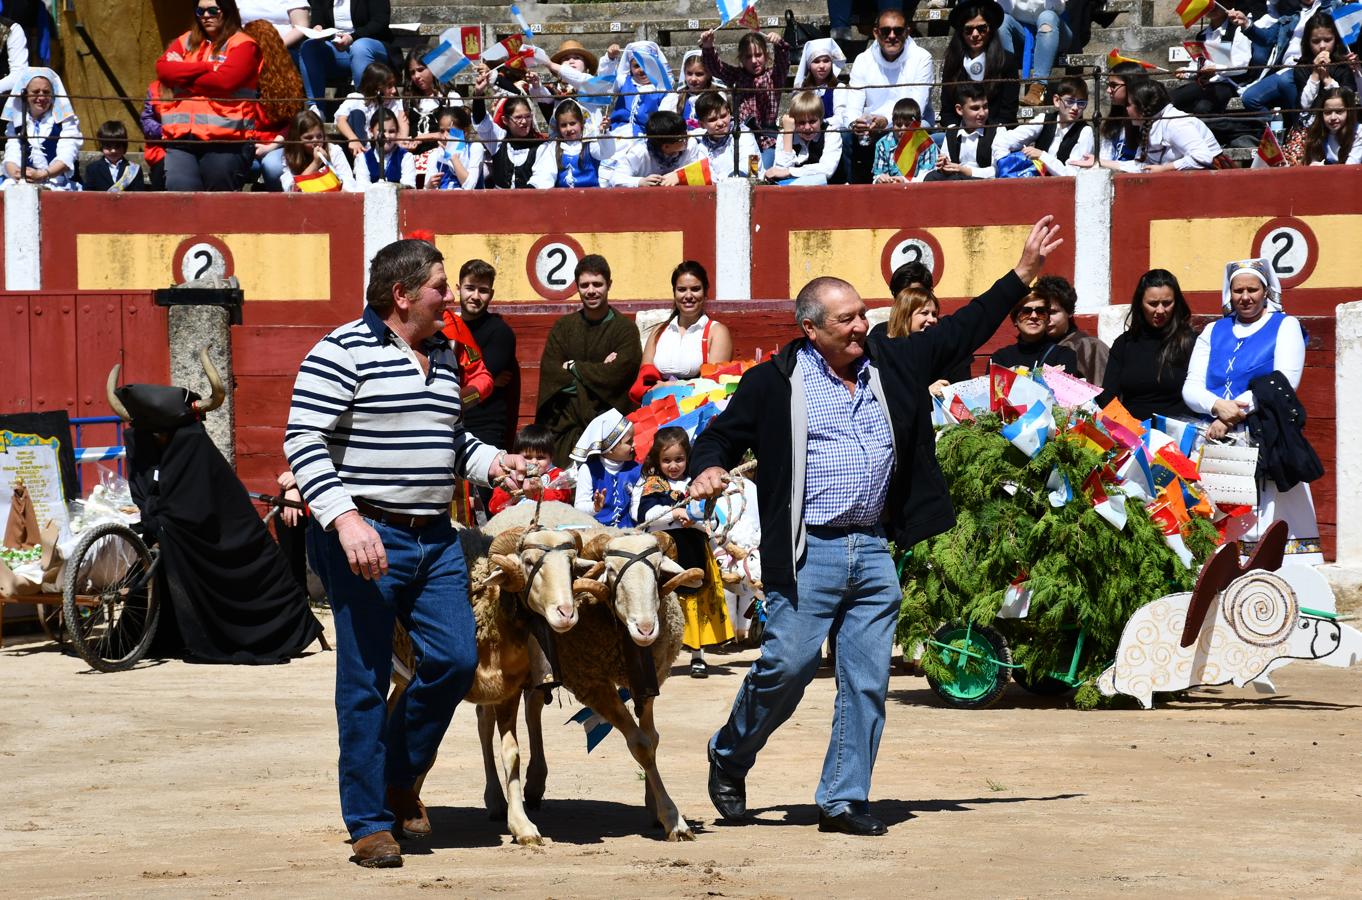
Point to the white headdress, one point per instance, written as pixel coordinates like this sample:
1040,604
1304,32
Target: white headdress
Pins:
650,56
815,49
61,104
601,435
1260,269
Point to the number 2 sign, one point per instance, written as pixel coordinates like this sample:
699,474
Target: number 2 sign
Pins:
1289,246
201,256
550,264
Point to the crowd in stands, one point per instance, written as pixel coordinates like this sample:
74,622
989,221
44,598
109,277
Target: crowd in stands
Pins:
242,98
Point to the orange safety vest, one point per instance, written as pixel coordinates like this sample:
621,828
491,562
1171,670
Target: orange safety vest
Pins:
213,118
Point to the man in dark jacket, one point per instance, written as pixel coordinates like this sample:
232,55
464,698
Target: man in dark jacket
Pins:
362,34
841,428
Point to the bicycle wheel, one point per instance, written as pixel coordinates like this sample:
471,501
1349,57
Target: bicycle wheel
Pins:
109,599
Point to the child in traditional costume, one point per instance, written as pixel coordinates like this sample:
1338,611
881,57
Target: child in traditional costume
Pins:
607,470
42,133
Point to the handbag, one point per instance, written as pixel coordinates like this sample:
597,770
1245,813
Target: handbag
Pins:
797,34
1229,473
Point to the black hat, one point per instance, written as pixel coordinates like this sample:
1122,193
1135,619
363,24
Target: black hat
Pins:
989,9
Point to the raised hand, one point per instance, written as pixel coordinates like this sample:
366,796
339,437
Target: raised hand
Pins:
1043,240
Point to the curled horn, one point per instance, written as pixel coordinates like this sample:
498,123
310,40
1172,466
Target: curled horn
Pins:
666,544
677,581
515,580
219,393
507,543
595,571
598,592
594,548
114,403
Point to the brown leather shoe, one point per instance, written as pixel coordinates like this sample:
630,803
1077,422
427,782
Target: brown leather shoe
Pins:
377,851
410,812
1034,96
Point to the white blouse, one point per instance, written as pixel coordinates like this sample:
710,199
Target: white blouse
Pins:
39,131
1178,138
336,162
680,354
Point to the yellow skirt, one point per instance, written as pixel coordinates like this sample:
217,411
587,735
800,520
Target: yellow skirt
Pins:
707,622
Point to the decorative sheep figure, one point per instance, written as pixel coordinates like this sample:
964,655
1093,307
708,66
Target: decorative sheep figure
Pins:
1235,627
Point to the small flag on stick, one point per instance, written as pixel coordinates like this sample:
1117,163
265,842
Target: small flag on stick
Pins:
1114,58
525,28
471,36
1196,50
732,9
749,19
1191,11
909,149
446,60
321,182
1269,153
695,173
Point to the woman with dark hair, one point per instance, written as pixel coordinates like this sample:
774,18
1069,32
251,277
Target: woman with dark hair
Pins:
1334,136
1147,366
688,338
976,53
213,71
1320,55
1120,136
1169,140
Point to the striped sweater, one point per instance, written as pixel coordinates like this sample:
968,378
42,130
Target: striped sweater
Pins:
366,422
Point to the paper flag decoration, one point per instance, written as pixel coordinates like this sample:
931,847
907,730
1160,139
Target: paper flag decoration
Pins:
1016,599
470,37
1135,474
972,393
1114,58
1091,437
1348,20
1115,411
593,724
446,60
520,20
1269,154
510,52
1029,432
1070,391
696,173
1190,11
909,150
732,9
959,411
1110,505
321,182
749,19
1061,491
1000,382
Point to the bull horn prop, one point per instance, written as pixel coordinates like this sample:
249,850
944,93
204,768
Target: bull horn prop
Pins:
599,593
219,393
677,581
114,403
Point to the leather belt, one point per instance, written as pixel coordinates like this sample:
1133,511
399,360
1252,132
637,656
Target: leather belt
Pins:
387,517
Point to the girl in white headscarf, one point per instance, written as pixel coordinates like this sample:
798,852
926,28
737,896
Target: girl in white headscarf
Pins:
642,80
607,471
42,133
695,80
820,70
1254,338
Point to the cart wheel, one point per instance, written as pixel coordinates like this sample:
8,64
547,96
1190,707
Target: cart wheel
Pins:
979,682
109,600
50,618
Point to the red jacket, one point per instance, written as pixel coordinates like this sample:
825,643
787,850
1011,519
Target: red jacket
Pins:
476,380
501,499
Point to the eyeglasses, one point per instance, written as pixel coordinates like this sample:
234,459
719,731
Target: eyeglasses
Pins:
1071,103
1035,312
892,31
1114,86
208,12
522,119
40,93
976,29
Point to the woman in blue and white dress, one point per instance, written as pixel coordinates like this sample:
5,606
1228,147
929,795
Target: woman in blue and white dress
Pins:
42,133
637,96
1254,338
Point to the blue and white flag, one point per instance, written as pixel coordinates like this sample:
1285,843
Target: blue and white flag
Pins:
446,60
654,65
1061,491
732,9
521,21
1030,432
1348,18
594,724
599,91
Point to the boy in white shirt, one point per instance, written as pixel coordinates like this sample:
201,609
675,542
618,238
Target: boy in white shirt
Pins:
717,134
808,152
654,160
971,149
1064,136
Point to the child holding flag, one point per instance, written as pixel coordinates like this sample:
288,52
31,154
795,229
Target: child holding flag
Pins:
971,149
695,83
757,83
668,157
456,162
642,79
809,153
311,166
905,151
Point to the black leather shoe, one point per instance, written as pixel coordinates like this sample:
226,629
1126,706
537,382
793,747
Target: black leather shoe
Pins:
728,794
860,824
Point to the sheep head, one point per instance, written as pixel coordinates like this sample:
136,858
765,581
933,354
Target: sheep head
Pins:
639,575
507,571
549,558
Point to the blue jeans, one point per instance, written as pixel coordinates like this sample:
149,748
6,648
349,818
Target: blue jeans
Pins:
322,60
426,588
846,587
1048,43
1277,89
271,169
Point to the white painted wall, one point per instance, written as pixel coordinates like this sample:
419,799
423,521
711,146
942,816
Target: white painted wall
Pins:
23,260
380,223
733,240
1093,195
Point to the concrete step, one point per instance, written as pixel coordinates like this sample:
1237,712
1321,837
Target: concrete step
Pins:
480,12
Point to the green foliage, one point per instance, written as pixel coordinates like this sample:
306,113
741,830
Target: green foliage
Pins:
1082,572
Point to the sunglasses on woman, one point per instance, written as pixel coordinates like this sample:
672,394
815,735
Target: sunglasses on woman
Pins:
1034,312
976,29
208,12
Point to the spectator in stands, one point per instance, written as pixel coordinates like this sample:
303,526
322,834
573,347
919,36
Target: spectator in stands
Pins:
42,133
1034,347
308,158
1334,65
386,159
910,274
590,360
113,172
689,338
1091,352
13,55
970,150
822,69
656,161
695,83
636,97
1148,362
572,161
1334,135
717,135
1063,135
917,309
213,71
153,150
757,84
890,69
840,15
361,35
809,152
1169,139
456,163
281,98
491,418
976,53
1310,37
1120,136
509,136
289,18
426,98
574,66
1045,21
377,90
886,170
1213,80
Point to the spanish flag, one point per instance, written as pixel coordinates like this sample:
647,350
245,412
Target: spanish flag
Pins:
1114,58
321,182
1269,152
1196,50
909,150
1189,11
695,173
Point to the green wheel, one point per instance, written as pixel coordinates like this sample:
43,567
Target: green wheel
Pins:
979,679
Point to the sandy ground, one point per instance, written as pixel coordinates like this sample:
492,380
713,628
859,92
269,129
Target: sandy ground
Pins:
179,780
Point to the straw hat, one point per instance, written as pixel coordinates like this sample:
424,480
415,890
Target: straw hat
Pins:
571,48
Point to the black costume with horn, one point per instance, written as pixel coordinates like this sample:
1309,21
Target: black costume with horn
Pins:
232,598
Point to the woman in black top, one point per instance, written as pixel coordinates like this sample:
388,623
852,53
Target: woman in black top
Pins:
916,309
976,53
1035,348
1148,362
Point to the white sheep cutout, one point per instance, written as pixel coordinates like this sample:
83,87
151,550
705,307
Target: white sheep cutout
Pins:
1260,621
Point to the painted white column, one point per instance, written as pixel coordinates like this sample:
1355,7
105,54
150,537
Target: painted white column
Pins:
380,222
733,240
1346,573
1111,321
1093,195
23,261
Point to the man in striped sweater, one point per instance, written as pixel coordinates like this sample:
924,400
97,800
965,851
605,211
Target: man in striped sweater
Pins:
376,440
